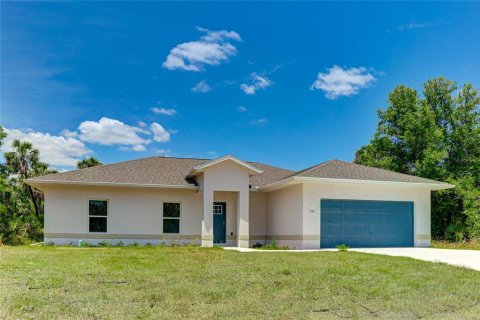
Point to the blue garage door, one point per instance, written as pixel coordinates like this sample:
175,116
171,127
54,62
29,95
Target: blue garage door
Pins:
361,223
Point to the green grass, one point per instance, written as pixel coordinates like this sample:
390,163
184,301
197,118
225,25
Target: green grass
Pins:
464,245
200,283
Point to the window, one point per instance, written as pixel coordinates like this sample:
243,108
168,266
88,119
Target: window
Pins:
97,215
171,217
217,209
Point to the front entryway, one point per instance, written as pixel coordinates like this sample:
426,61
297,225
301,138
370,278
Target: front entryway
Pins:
219,222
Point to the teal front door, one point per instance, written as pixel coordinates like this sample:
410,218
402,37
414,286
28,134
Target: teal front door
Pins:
219,222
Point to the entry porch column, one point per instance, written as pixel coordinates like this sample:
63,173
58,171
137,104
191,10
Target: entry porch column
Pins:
207,218
243,212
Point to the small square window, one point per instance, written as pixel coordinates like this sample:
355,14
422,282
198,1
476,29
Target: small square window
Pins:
171,210
97,208
98,224
171,226
217,209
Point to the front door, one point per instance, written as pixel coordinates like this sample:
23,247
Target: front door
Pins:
219,222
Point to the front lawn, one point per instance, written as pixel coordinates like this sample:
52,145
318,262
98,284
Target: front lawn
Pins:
471,245
195,283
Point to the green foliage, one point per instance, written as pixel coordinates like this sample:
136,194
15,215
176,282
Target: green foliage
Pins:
342,247
436,136
21,207
273,245
88,163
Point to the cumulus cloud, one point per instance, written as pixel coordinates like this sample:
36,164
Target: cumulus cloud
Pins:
137,148
55,150
159,133
257,82
213,48
202,86
339,82
69,134
259,122
110,132
168,112
241,109
163,152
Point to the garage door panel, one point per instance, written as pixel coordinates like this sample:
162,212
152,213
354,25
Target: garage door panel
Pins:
363,223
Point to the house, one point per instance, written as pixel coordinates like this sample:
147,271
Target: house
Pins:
237,203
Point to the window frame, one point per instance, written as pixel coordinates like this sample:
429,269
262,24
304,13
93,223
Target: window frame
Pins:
95,216
173,218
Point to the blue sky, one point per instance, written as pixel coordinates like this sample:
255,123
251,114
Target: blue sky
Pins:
290,84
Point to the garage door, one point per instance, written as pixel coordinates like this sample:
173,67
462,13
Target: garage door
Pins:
361,223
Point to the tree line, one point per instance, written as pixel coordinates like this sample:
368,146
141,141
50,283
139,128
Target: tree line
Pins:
435,135
21,206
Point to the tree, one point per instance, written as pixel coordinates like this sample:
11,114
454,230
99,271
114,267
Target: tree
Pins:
437,137
3,135
20,161
88,163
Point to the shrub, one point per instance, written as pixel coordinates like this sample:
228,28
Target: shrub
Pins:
274,246
342,247
257,245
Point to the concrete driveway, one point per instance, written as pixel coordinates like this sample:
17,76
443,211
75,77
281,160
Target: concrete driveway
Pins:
463,258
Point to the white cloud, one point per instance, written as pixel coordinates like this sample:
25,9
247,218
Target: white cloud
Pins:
202,86
211,49
137,148
241,109
159,133
163,152
342,82
69,134
258,82
142,124
259,122
110,132
55,150
168,112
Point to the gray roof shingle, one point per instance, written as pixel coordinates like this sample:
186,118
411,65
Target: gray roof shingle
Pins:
336,169
171,171
153,171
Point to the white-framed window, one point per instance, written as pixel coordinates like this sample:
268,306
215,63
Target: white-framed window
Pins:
97,215
171,217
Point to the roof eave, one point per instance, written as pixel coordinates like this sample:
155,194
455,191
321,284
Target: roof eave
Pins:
40,183
293,180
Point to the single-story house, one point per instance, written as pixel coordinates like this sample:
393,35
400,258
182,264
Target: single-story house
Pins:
231,202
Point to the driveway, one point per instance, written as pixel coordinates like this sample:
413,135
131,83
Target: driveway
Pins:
463,258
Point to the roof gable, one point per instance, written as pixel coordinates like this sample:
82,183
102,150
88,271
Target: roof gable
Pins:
201,167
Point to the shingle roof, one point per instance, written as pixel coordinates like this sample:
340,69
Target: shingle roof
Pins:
171,171
153,171
336,169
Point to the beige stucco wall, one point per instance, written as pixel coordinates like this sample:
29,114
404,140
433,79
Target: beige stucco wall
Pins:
294,212
284,216
134,214
258,217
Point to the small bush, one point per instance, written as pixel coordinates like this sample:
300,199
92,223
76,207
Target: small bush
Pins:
257,245
105,243
342,247
274,246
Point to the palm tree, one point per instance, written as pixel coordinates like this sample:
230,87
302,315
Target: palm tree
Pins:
88,163
21,160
